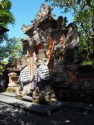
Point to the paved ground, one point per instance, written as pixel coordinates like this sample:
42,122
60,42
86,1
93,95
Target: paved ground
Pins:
29,106
69,113
14,116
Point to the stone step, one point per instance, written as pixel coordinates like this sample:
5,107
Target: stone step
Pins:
27,98
29,106
8,94
44,109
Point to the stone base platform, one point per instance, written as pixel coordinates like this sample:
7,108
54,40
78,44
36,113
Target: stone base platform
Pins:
12,89
40,109
10,98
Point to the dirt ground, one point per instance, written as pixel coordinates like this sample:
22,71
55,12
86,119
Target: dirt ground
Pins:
71,116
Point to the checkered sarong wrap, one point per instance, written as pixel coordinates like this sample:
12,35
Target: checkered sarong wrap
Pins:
25,75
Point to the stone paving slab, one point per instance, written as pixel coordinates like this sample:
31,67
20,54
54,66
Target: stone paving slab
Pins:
47,108
42,109
80,105
8,94
29,106
14,101
27,98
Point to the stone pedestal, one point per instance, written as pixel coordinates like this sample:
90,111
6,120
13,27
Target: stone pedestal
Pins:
12,85
44,94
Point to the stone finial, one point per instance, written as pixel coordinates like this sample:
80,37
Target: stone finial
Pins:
44,10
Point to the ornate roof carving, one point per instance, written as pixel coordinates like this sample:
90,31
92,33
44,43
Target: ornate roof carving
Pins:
44,12
26,28
45,26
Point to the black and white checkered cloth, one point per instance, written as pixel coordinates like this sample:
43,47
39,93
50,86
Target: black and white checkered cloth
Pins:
25,74
43,73
40,74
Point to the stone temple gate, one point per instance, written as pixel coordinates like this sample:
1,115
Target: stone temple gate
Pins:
52,39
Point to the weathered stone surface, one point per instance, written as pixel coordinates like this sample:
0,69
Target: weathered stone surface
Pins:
38,108
8,94
26,90
64,116
27,98
44,94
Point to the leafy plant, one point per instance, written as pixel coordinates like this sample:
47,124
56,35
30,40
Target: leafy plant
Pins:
6,17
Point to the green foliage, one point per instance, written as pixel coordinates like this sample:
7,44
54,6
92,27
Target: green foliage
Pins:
9,51
6,45
83,11
6,16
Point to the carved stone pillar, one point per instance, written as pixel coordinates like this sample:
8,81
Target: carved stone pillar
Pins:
31,62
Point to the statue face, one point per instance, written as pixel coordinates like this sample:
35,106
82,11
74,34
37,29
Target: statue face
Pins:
62,39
